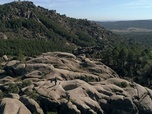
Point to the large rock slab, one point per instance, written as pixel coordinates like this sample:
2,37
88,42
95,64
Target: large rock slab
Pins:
67,84
31,104
13,106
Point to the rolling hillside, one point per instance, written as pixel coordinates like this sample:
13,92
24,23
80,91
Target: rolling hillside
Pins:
26,21
140,31
121,25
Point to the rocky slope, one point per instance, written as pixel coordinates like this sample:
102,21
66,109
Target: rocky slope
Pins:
68,84
28,21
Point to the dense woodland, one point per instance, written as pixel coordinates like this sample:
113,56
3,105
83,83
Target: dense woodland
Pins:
30,47
133,61
142,38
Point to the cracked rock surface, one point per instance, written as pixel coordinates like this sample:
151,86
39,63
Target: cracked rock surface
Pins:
64,83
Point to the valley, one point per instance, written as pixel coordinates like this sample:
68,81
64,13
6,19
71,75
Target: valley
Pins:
139,31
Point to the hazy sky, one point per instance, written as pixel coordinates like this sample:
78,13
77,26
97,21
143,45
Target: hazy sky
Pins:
99,9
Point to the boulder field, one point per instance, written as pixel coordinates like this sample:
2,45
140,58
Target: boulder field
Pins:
63,83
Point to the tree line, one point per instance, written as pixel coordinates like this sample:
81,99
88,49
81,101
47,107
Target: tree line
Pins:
130,61
31,47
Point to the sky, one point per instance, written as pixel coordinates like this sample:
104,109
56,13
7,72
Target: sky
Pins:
98,10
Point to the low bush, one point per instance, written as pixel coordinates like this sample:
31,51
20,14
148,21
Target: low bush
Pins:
13,88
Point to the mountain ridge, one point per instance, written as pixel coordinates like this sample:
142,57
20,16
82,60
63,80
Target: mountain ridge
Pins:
26,20
125,24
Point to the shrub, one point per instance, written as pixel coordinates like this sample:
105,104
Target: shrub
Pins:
13,88
26,83
32,94
88,79
124,84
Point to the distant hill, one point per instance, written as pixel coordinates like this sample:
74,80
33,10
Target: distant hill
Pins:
128,26
24,20
138,31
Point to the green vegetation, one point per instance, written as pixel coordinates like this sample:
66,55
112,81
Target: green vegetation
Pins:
139,31
32,94
26,83
34,30
88,79
13,88
22,47
30,34
22,22
132,61
142,38
123,84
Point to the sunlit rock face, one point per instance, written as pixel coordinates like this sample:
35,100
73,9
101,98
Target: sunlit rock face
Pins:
68,84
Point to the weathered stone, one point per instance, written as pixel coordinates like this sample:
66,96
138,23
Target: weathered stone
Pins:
32,105
12,63
41,67
3,36
34,74
60,54
13,106
5,58
82,86
122,105
14,96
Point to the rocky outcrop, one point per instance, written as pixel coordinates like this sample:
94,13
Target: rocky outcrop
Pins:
3,36
32,105
67,84
13,106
